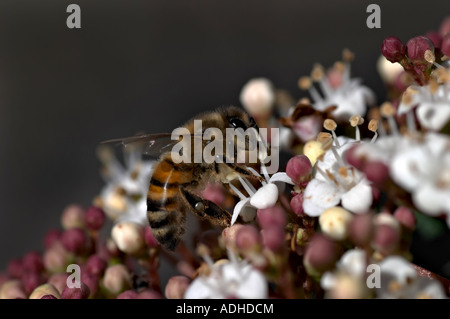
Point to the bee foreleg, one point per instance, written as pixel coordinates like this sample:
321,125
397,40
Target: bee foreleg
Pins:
205,209
240,170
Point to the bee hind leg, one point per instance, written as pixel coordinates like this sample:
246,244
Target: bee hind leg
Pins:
205,209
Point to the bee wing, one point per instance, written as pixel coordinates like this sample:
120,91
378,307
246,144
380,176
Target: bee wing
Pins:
152,145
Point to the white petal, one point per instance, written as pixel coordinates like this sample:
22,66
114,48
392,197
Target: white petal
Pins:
265,197
409,167
354,262
244,281
328,280
320,196
281,177
200,289
239,208
358,199
430,199
433,115
398,268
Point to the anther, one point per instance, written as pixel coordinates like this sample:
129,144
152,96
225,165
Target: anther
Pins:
317,72
373,127
304,83
356,120
388,111
331,125
348,55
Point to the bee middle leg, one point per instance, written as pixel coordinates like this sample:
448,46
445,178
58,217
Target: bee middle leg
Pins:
205,209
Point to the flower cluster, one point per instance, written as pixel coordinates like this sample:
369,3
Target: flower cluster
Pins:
338,221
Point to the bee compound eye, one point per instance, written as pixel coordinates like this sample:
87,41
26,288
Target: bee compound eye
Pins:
237,123
199,207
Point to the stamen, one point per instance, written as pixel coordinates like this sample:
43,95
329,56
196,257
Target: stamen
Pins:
237,191
325,139
388,111
247,185
347,55
305,83
203,251
327,143
331,125
373,127
356,120
265,173
431,58
343,171
317,72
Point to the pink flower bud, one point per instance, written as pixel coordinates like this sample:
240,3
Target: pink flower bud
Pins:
176,287
386,239
248,238
444,29
32,261
353,158
273,237
271,216
59,281
445,46
297,204
73,217
15,268
74,240
361,230
76,293
117,279
150,240
393,49
56,258
95,217
51,237
96,265
149,294
321,255
229,234
129,294
31,281
376,172
299,169
435,37
416,48
92,281
406,217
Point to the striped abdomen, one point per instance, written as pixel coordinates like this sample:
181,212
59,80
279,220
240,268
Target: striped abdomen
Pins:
165,208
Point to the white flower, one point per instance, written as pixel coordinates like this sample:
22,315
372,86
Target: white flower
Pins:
124,196
336,182
349,95
423,169
399,279
230,279
432,104
348,279
265,197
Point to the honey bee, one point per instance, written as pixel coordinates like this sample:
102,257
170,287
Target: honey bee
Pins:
175,186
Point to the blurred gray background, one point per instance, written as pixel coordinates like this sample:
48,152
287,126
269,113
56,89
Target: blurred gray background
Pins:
148,65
